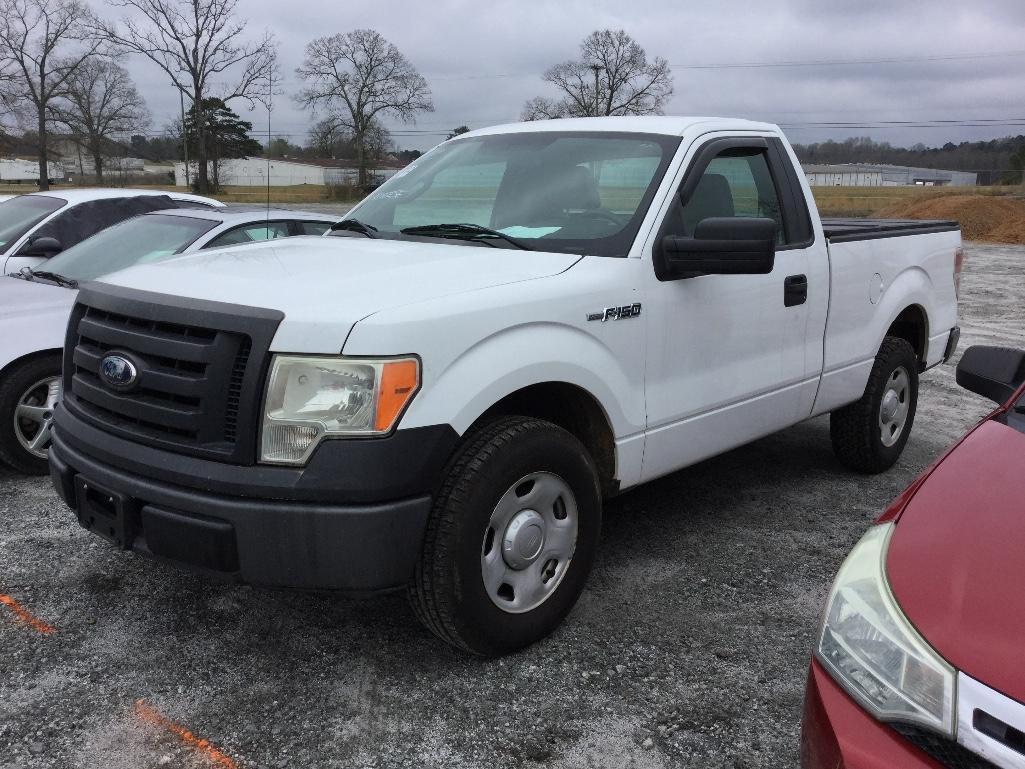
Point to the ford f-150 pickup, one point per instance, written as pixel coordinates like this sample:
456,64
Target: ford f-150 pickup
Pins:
525,321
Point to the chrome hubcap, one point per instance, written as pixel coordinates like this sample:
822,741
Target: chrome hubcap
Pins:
895,405
33,416
529,542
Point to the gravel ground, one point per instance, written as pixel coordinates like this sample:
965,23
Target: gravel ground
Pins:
689,648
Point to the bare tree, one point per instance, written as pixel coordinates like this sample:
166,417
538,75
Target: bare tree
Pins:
612,77
359,78
329,139
101,103
7,80
43,43
197,43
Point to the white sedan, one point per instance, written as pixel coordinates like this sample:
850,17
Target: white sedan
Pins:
39,225
35,304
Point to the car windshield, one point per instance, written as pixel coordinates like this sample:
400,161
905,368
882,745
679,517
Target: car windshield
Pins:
144,239
21,214
579,193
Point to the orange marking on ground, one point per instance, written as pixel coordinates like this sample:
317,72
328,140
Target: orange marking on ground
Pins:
148,715
25,616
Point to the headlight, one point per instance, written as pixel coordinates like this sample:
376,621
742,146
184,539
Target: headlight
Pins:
309,399
870,648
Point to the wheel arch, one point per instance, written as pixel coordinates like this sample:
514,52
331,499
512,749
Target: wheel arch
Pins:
912,325
24,358
572,408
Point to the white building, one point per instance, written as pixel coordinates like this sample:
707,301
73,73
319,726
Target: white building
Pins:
866,175
28,171
253,172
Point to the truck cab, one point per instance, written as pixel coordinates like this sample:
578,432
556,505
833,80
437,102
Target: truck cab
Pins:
525,321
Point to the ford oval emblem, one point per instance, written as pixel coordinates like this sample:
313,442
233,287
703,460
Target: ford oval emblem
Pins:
118,372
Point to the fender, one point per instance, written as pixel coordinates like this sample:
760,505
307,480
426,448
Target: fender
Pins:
511,359
912,287
25,335
844,380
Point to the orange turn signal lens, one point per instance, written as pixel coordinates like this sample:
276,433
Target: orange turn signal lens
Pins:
399,382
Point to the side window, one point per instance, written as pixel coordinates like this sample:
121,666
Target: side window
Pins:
312,228
250,233
736,183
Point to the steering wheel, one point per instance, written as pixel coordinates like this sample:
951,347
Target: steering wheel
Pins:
601,213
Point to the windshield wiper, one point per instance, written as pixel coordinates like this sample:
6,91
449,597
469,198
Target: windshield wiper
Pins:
355,225
464,232
27,273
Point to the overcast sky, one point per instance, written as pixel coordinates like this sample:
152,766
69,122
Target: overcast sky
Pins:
483,60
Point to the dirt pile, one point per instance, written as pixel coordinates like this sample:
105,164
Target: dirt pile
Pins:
982,217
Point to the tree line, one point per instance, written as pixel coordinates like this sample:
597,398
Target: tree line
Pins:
999,161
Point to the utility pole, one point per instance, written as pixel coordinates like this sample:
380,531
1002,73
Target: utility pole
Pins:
185,140
596,68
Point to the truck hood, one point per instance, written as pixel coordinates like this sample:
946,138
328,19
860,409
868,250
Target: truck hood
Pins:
325,285
956,562
25,297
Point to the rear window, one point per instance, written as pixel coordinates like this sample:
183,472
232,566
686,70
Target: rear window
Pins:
21,214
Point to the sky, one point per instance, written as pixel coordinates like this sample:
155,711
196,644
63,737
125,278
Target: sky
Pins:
947,60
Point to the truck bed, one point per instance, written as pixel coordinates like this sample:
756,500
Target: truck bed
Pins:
845,230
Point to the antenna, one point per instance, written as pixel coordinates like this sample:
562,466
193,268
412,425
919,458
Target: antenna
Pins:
270,108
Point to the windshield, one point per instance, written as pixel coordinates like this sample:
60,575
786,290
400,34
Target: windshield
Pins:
144,239
21,214
579,193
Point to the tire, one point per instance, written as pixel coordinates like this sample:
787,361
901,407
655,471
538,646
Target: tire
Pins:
28,385
473,587
864,438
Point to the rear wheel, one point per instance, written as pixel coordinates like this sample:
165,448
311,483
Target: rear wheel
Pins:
869,435
511,538
29,392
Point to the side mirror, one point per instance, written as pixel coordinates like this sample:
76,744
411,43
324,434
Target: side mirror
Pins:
992,372
44,247
721,246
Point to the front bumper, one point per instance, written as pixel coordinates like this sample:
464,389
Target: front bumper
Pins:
836,732
280,527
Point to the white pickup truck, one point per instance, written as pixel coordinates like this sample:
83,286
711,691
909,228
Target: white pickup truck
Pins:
528,319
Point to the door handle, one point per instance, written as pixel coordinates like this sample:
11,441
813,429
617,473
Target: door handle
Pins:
795,290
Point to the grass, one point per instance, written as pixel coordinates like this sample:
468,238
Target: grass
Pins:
831,201
875,201
303,193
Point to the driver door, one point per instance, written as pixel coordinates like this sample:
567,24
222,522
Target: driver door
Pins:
727,359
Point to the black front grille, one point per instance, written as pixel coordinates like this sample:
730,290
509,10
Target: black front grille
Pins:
238,372
943,749
200,370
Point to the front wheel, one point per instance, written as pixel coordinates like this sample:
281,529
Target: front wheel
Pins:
29,392
511,538
869,435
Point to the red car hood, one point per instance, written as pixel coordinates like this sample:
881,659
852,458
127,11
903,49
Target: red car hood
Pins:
956,562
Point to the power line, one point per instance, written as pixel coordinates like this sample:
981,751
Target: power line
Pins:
841,62
775,64
748,65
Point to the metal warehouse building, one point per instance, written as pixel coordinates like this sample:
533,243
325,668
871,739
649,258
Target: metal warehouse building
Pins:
249,172
858,175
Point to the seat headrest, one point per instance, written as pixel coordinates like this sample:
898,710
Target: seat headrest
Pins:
712,198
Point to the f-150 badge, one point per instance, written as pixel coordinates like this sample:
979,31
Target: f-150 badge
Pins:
617,313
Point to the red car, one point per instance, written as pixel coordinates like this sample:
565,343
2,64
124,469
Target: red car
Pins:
920,660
